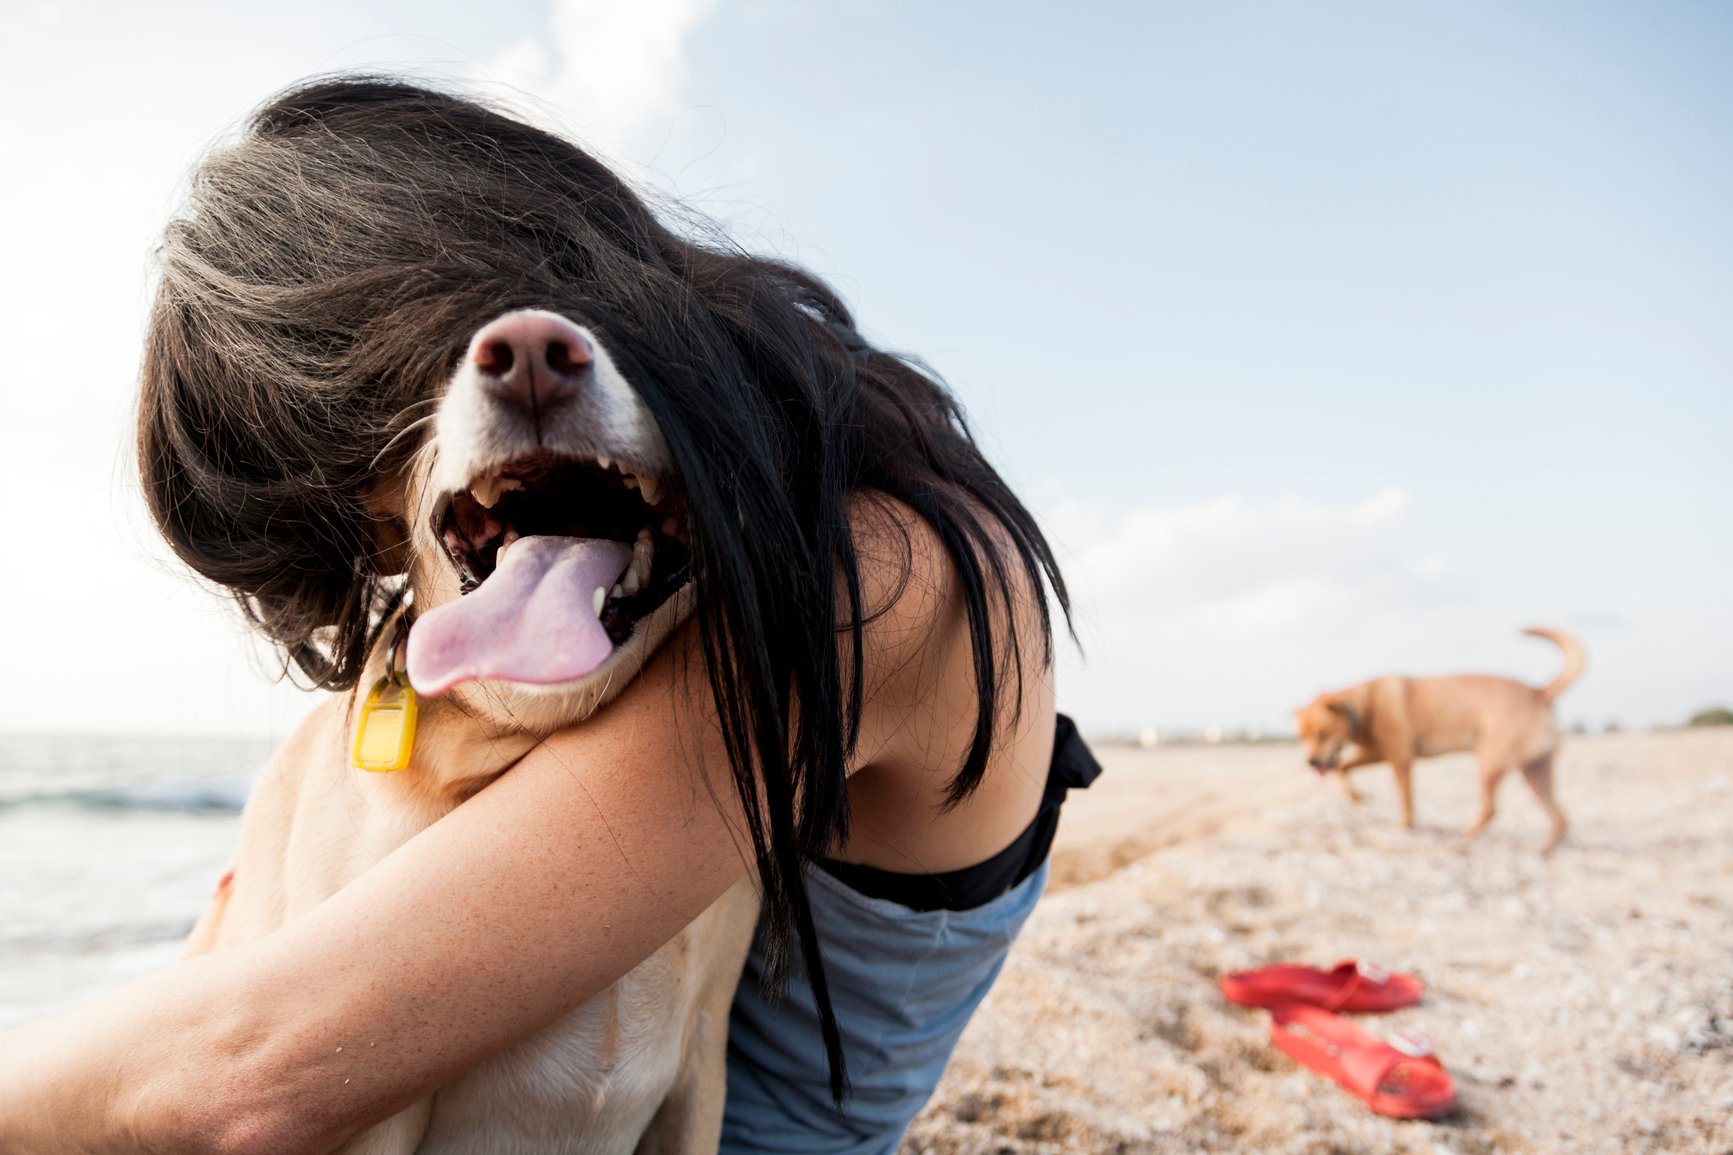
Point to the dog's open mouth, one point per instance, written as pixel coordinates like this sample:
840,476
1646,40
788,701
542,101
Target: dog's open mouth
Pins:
559,559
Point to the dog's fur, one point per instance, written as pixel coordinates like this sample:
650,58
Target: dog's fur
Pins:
639,1067
1508,726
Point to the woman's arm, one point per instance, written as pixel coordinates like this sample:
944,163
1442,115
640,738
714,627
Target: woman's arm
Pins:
526,900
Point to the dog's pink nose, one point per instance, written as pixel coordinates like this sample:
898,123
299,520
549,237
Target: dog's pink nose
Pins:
535,360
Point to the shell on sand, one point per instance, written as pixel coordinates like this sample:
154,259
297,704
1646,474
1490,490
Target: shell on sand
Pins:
1584,1002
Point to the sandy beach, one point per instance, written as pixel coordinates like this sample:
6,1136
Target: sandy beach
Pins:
1584,1002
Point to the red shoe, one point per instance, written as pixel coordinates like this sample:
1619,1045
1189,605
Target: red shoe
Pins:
1399,1078
1352,987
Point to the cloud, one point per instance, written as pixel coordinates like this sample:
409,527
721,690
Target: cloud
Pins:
614,69
1248,568
1229,612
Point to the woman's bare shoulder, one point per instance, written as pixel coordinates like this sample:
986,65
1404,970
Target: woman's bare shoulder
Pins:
909,582
919,655
922,696
912,593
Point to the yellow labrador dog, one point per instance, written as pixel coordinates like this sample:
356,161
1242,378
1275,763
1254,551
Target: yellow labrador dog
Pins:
1508,725
546,562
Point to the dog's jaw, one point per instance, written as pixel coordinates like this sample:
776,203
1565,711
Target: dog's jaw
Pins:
541,710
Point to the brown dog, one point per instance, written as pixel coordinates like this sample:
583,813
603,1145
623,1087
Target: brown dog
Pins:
1508,725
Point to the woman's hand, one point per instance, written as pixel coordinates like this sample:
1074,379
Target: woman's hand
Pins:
523,902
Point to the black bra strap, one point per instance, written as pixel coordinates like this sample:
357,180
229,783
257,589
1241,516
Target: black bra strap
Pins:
1073,768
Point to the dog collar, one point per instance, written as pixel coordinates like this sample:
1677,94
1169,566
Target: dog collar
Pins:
1353,721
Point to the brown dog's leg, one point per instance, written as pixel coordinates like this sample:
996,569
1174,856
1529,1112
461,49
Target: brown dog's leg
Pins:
1404,771
1538,773
1360,758
1352,794
1491,774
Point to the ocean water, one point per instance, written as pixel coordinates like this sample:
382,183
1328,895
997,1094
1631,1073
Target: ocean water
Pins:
109,848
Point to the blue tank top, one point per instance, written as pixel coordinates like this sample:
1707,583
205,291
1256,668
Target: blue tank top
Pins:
904,983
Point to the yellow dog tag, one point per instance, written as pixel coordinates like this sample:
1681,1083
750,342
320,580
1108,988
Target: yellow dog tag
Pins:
385,732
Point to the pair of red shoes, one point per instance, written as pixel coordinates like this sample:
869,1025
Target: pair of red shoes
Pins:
1398,1077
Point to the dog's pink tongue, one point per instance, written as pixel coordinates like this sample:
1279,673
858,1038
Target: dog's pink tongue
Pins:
533,620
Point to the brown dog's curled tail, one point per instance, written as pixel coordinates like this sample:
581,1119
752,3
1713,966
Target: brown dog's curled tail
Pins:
1575,659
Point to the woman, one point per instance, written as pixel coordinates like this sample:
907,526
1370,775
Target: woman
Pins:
870,659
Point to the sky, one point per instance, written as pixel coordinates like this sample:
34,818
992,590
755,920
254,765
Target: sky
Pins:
1326,340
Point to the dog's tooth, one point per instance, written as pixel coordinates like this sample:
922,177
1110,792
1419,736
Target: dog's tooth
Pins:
651,487
487,488
618,590
599,599
645,535
605,462
631,481
630,582
511,535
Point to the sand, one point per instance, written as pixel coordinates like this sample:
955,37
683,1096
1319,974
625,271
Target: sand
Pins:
1584,1002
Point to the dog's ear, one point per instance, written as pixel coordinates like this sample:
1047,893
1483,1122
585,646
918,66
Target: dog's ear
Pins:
1336,706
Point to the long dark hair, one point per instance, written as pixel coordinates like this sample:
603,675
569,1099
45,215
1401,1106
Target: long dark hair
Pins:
322,279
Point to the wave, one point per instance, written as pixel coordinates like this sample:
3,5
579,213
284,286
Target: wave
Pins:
121,772
178,795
